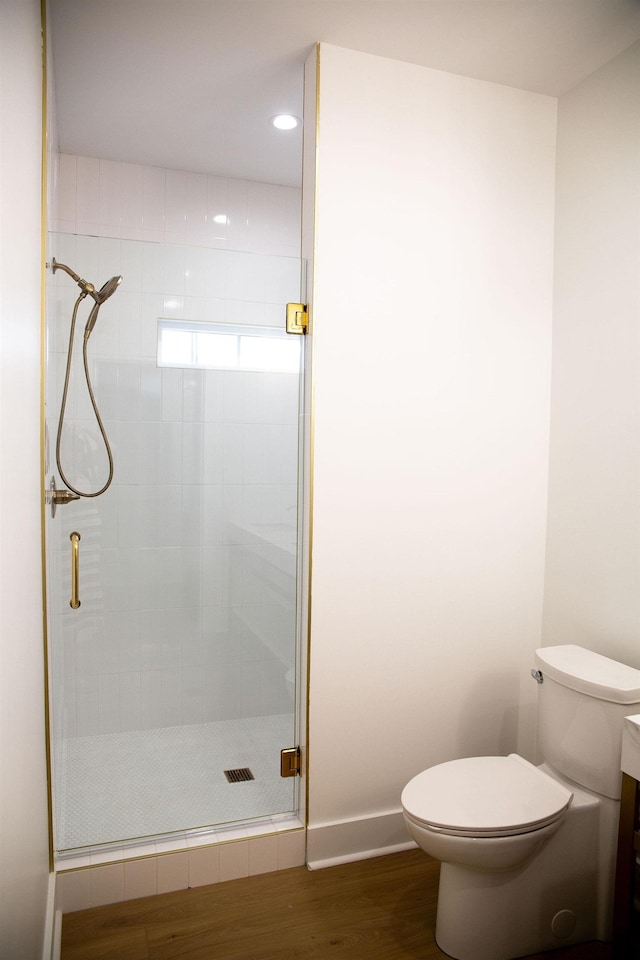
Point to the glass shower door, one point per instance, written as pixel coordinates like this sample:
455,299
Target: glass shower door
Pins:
173,684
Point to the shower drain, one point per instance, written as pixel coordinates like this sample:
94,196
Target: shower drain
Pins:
239,775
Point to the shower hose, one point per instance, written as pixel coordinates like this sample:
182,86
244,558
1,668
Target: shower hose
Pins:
63,405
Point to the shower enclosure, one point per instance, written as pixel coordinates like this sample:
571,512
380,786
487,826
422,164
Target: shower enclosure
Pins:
173,682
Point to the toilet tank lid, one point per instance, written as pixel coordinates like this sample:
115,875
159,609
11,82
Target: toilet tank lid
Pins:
590,673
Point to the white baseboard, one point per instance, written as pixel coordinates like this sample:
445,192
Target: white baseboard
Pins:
57,936
344,841
52,941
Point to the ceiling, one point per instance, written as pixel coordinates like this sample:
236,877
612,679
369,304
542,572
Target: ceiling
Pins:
191,84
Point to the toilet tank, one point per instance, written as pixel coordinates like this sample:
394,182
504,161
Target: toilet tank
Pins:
582,701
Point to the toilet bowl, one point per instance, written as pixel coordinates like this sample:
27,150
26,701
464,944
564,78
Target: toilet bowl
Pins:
519,852
486,813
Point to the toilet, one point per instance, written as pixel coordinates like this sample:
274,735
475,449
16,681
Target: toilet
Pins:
528,852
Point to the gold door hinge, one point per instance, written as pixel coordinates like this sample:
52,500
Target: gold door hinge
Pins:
290,762
297,318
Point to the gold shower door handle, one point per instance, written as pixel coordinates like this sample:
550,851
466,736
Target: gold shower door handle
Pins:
74,603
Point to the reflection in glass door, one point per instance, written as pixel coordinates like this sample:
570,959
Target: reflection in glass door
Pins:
178,668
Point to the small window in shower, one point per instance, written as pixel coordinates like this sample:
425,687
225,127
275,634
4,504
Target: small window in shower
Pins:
225,346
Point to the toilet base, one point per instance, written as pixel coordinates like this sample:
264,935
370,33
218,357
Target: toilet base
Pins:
551,901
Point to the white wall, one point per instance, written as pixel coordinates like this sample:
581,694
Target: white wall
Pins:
592,587
24,860
431,334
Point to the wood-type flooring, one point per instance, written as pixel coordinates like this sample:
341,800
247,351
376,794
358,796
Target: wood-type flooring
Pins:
379,909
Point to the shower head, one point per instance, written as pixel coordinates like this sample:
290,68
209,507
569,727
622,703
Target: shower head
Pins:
106,290
88,289
100,296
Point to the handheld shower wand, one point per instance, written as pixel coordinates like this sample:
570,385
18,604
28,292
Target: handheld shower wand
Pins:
99,296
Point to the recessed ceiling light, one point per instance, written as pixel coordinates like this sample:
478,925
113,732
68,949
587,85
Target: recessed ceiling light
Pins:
285,121
220,218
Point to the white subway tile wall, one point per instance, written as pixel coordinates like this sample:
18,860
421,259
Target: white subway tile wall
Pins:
103,198
205,481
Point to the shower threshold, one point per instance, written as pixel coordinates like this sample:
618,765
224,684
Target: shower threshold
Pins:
68,860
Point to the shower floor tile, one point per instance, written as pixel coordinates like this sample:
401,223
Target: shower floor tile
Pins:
121,786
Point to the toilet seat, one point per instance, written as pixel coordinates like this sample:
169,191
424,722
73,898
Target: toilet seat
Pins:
485,797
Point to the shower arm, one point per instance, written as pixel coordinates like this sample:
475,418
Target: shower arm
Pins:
86,287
